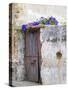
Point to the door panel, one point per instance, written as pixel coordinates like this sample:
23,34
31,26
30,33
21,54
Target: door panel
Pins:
32,68
31,44
32,54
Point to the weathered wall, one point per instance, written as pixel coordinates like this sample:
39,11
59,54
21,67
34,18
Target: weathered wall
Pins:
17,44
18,66
53,69
23,13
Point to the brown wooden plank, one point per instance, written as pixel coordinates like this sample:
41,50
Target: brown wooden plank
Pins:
31,68
31,44
32,56
39,44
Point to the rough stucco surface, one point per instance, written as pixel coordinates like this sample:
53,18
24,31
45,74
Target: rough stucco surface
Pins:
17,45
18,67
53,70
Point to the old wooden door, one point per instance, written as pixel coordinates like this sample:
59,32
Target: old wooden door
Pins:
32,56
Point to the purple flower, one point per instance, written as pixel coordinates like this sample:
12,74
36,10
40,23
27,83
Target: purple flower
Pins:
47,22
34,23
41,18
53,21
24,27
51,18
44,21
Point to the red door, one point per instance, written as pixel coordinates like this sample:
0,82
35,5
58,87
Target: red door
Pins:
32,55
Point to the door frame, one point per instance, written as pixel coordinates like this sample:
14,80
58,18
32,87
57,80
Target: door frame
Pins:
39,54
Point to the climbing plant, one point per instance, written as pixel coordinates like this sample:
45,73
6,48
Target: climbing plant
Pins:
40,23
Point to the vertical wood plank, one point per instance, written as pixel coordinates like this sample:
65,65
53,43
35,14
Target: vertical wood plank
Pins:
32,51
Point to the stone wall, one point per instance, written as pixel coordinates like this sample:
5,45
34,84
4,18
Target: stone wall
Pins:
53,68
18,66
17,43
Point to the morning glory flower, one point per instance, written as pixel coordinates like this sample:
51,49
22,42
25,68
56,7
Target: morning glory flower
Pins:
41,18
53,21
34,23
47,22
24,27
